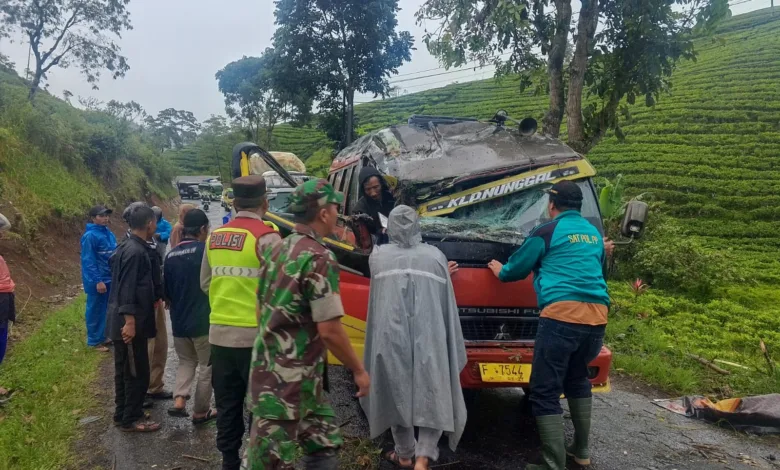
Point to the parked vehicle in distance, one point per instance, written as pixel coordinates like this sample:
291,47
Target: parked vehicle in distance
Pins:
227,198
188,190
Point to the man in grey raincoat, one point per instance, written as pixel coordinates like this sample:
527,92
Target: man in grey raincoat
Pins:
414,345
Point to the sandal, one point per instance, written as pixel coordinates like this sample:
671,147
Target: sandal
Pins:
146,416
142,427
393,458
178,412
101,348
210,414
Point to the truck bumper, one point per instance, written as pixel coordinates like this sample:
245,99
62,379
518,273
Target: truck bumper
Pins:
470,377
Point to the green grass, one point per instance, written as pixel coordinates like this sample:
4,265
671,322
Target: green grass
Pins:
651,335
52,372
39,186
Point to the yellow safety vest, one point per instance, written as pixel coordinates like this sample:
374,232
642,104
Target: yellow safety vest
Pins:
235,269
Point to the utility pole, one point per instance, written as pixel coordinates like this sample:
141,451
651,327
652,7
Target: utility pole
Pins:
29,53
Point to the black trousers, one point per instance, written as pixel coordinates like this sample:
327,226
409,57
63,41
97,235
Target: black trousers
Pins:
230,379
130,391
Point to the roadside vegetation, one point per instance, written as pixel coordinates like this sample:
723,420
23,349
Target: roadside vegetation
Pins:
51,376
58,160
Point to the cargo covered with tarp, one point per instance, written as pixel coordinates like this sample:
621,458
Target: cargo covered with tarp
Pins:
756,415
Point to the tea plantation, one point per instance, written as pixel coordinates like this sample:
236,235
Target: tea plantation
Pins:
707,156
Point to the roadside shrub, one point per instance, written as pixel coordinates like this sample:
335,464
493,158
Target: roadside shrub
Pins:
671,260
319,163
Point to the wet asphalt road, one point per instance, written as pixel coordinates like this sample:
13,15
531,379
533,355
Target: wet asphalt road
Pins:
629,432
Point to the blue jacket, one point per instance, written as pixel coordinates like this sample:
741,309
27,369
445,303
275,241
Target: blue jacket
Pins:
567,258
97,246
164,230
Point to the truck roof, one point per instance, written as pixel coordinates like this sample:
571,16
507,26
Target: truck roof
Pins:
431,149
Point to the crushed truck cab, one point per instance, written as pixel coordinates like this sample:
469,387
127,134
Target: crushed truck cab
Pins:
479,188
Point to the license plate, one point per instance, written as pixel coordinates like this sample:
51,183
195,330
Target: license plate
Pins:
515,373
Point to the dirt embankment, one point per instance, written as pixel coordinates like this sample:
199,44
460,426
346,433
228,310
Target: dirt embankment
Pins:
46,267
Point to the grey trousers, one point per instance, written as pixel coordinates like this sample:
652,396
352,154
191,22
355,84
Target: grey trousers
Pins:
194,353
158,351
427,444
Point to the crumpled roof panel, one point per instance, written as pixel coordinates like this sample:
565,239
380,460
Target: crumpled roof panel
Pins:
438,152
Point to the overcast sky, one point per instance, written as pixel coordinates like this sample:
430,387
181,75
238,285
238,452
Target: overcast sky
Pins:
176,47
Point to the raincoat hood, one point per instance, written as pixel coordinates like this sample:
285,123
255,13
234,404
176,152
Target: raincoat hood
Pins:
403,227
366,173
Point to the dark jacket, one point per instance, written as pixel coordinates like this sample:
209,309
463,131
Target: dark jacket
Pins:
156,263
189,305
132,289
366,205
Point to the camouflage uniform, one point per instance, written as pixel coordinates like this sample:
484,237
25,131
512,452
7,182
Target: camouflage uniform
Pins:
299,287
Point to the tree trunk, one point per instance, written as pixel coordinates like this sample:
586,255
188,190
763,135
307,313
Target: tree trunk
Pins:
349,113
269,135
36,83
551,124
583,40
219,165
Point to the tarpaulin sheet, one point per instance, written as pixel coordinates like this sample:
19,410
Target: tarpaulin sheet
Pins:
757,415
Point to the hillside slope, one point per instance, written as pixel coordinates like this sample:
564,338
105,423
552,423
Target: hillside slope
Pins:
57,160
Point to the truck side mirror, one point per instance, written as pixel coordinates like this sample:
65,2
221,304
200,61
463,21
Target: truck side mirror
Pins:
633,224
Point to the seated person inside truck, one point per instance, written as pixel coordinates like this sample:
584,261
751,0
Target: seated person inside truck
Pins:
376,200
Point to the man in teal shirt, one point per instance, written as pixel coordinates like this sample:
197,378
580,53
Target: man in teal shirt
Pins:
567,257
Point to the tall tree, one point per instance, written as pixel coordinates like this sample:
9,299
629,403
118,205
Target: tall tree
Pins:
63,33
173,128
215,129
252,97
333,49
128,112
633,55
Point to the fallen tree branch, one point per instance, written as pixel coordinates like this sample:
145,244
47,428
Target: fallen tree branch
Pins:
767,356
720,361
195,458
709,364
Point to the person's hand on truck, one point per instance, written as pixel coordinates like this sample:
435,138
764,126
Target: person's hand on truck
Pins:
496,267
453,267
609,247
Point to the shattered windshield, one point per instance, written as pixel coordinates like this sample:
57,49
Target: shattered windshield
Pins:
507,219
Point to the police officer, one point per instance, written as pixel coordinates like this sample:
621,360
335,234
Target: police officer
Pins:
300,319
229,275
567,256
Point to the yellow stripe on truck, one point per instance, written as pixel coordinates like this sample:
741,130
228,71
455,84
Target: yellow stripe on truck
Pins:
356,331
547,175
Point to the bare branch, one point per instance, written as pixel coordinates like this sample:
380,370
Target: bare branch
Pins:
68,24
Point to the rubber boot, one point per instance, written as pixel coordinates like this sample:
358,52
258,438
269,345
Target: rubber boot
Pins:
580,409
325,460
552,437
231,461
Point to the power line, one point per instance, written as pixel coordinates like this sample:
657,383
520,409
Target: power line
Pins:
444,68
432,75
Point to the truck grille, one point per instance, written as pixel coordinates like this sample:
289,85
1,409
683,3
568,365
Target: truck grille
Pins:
500,329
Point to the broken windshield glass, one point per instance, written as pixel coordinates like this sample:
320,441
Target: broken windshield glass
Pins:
507,219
